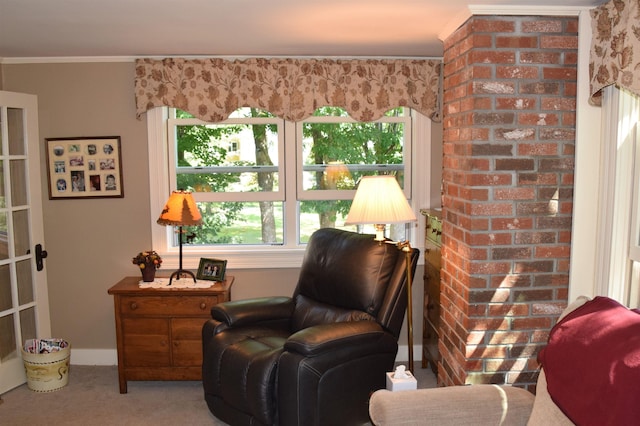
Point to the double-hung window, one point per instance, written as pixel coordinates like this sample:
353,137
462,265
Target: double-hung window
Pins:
263,184
619,244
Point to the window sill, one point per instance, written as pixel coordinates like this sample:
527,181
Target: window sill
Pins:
243,258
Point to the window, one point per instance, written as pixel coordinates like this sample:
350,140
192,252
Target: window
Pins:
620,245
264,184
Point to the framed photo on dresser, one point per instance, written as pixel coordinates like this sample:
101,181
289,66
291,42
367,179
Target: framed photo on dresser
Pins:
211,269
84,167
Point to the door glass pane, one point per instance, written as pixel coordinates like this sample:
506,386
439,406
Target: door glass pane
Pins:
21,232
17,168
5,288
28,324
15,126
4,237
25,286
7,338
1,137
3,202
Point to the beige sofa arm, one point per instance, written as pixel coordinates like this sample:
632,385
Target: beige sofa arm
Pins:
454,405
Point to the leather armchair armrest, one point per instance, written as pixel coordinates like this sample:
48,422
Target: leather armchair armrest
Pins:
324,338
452,406
242,312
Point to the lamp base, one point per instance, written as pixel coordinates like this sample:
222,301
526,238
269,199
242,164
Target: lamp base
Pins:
180,272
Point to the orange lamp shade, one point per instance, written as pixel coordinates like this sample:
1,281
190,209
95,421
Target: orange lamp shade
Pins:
180,210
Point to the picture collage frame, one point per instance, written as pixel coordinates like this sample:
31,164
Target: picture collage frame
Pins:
84,167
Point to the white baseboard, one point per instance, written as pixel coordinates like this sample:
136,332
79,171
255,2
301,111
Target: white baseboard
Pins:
94,356
110,356
403,353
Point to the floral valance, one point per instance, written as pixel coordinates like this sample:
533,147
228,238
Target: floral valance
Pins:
211,89
615,47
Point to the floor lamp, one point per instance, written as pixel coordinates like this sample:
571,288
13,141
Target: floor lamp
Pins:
380,201
180,210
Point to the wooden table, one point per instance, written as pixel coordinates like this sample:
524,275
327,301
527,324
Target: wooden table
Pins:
159,331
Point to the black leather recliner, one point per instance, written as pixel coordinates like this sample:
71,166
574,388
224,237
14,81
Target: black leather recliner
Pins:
313,358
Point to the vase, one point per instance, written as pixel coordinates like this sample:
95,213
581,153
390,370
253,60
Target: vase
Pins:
148,272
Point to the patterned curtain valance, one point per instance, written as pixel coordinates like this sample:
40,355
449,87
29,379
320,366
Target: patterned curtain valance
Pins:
211,89
615,47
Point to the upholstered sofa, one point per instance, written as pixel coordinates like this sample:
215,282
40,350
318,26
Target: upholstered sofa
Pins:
590,376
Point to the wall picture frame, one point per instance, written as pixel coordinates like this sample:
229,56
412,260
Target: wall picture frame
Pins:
211,269
84,167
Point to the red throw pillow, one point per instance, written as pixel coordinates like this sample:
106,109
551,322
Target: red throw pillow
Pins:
592,364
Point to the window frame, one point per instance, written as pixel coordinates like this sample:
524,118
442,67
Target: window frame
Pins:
290,254
618,253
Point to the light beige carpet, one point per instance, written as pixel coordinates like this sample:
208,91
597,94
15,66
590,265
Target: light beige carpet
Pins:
92,398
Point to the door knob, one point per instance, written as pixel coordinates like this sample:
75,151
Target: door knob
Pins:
40,256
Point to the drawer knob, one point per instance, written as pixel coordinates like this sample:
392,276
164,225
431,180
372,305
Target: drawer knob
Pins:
203,306
134,306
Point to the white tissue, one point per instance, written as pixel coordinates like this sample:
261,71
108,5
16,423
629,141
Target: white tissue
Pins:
401,373
401,379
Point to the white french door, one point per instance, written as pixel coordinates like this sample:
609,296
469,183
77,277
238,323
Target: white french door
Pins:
24,303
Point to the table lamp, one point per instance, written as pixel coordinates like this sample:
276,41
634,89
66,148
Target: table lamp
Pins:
379,200
180,210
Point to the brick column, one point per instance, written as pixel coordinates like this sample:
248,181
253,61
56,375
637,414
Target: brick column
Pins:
509,136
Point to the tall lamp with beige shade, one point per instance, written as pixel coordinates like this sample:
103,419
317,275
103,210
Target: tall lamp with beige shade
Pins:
379,200
180,210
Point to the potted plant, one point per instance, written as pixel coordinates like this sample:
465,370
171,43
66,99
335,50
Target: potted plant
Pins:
148,262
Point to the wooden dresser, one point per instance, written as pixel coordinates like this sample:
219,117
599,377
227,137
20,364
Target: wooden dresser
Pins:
159,331
431,309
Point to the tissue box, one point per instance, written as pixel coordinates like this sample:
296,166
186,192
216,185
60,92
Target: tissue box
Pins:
394,384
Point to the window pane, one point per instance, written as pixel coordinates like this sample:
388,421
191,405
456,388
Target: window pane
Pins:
18,182
238,223
28,324
336,154
16,131
6,294
323,214
21,232
24,282
3,200
8,348
227,157
332,214
4,237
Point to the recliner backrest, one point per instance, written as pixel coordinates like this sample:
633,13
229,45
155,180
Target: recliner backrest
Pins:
344,276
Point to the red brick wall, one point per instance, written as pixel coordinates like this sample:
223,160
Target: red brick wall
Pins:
509,136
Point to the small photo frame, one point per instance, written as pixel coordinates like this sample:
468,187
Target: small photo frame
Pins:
82,167
211,269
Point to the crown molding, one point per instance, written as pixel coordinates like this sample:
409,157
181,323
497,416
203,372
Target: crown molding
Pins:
65,59
496,10
95,59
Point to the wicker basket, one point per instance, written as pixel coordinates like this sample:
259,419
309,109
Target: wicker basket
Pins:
47,372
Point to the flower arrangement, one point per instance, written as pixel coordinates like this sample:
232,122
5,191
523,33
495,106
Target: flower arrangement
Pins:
147,258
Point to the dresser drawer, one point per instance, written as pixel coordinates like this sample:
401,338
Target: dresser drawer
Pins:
433,255
168,306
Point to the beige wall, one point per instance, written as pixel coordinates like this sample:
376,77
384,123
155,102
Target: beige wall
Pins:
90,242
